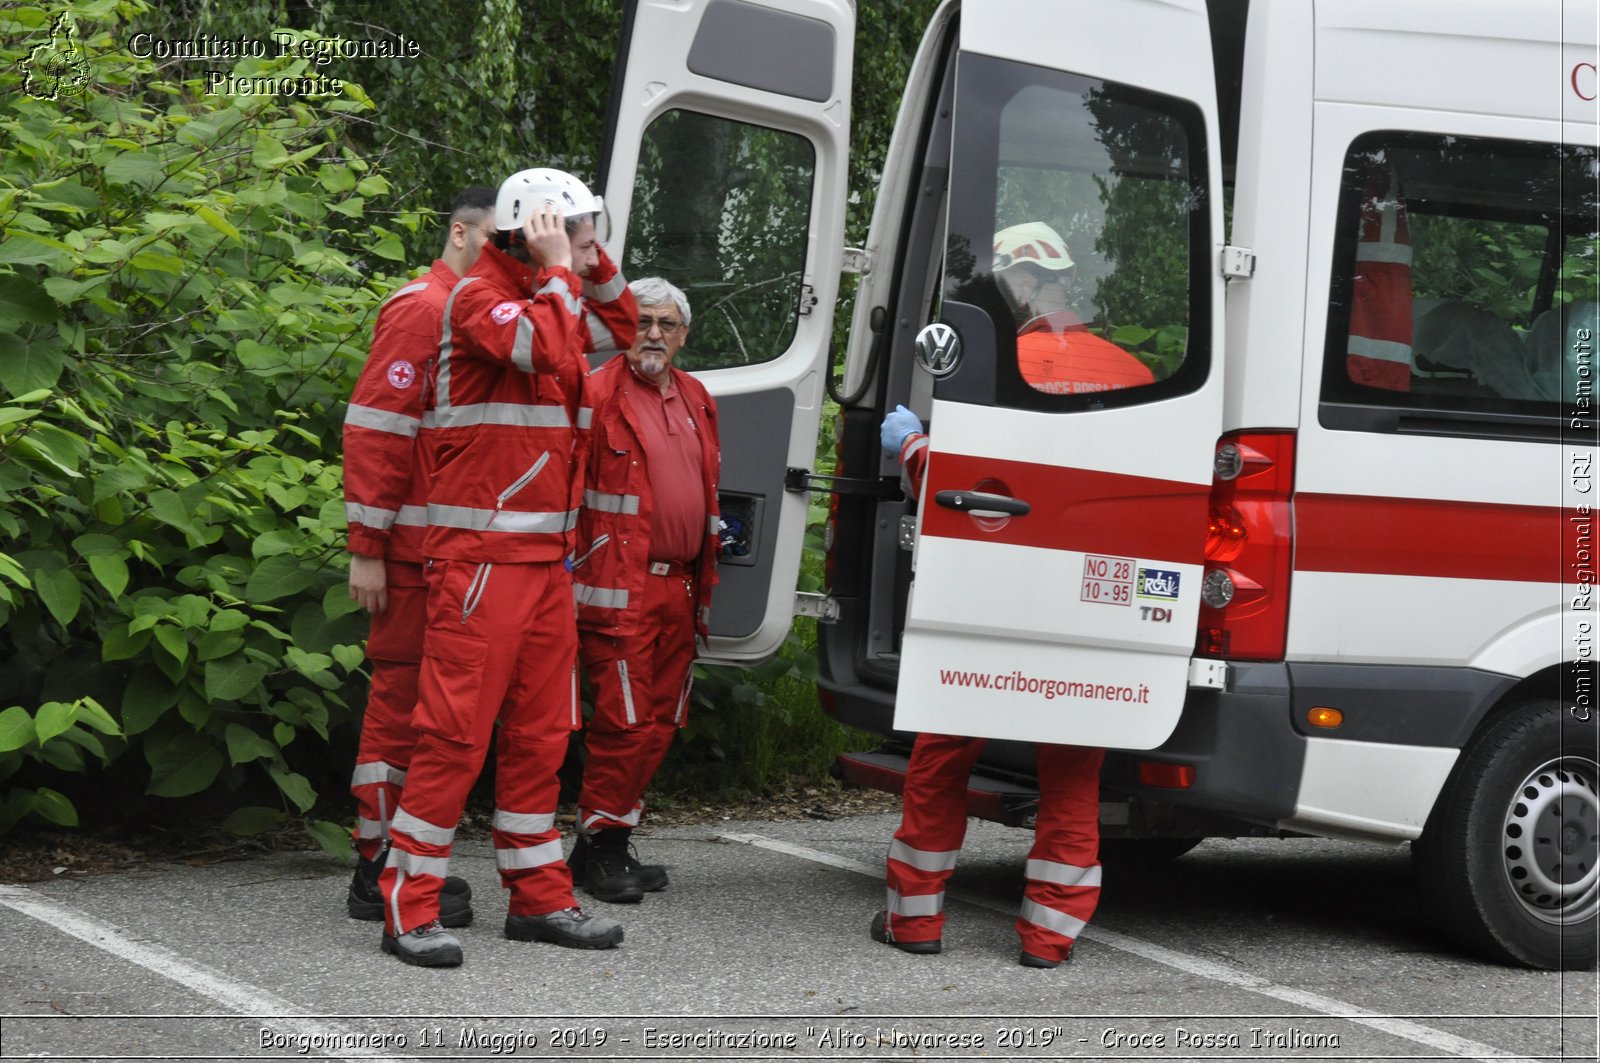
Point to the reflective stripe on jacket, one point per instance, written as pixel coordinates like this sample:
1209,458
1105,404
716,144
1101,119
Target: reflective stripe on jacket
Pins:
613,548
508,403
386,461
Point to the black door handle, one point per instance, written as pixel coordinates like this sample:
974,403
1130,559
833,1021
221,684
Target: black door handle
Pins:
981,504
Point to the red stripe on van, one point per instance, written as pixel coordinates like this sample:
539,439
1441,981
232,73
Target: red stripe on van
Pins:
1425,537
1086,510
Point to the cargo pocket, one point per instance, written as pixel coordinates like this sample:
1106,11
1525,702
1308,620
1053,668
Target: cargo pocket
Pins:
452,684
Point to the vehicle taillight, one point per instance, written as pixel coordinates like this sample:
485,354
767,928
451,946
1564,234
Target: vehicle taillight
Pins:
1244,594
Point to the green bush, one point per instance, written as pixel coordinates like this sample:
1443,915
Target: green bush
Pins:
187,283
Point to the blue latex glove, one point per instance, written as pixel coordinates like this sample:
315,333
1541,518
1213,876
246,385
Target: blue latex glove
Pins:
900,423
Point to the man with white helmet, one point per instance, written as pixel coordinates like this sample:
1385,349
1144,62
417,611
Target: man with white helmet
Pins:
1055,352
501,641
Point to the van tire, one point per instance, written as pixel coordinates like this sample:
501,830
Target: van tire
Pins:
1532,767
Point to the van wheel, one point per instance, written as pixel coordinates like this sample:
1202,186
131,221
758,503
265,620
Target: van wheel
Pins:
1511,854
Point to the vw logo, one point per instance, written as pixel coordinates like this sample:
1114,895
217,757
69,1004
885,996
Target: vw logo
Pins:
938,349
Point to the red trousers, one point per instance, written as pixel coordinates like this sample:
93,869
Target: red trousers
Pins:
501,645
640,684
394,647
1063,871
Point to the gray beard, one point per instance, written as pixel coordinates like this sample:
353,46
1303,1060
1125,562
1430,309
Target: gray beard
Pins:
652,364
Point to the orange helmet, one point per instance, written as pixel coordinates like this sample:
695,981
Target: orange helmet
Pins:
1032,241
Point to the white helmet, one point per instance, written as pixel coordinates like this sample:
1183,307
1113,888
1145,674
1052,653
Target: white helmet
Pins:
525,192
1032,241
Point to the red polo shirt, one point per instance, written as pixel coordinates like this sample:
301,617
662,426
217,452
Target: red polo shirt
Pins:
673,460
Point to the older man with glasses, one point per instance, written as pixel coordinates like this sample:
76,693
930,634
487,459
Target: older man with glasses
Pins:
643,572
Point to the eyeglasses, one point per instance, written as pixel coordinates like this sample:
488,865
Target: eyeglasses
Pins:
667,325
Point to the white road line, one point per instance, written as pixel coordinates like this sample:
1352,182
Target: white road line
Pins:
241,998
1427,1036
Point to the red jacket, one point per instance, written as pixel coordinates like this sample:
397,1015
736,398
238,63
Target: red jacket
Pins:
508,401
614,522
385,459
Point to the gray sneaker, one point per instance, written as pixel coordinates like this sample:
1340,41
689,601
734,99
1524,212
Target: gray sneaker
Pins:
426,946
568,927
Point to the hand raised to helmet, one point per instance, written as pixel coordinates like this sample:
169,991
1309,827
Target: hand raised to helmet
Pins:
545,235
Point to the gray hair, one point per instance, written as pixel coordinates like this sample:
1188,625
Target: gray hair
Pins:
653,291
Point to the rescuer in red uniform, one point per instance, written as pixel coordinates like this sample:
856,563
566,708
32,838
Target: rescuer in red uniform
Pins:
1063,872
501,641
386,495
647,540
1056,353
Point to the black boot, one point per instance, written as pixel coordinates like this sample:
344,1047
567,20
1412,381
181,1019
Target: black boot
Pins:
600,866
363,901
652,877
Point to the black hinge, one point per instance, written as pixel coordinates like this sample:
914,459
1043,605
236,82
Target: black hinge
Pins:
801,481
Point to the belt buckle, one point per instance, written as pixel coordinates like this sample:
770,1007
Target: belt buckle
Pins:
660,568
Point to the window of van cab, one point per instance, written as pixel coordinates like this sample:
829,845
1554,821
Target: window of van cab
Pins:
1078,220
722,209
1464,289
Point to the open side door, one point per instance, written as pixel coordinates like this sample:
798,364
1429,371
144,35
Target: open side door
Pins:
724,171
1078,378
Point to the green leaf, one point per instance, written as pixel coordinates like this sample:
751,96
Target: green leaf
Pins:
268,153
232,678
278,577
349,656
92,714
283,734
95,544
336,178
16,729
295,787
336,601
61,594
217,222
333,838
251,820
169,509
21,248
52,719
24,302
391,248
273,543
121,644
173,641
54,807
244,745
111,573
155,260
181,763
214,644
32,363
134,168
12,572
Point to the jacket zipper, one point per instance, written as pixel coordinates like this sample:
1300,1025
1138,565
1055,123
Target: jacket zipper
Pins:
522,481
599,541
475,589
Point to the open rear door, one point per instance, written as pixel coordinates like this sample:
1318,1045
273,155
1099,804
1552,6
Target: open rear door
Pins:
725,172
1078,378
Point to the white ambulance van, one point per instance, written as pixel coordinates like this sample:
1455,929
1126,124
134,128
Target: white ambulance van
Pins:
1329,571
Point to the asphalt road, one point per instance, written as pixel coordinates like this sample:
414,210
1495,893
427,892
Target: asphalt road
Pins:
1259,950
